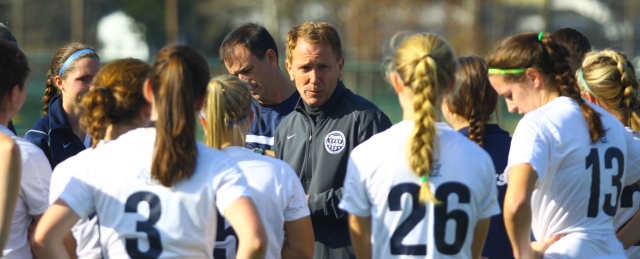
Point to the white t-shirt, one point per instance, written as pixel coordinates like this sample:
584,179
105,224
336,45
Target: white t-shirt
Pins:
628,207
578,182
277,193
381,185
137,215
32,198
86,230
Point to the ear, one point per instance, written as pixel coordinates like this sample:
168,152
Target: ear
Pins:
271,56
340,66
57,81
535,77
289,70
147,91
396,82
590,97
15,93
203,122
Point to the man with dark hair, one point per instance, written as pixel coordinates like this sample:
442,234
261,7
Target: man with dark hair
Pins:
576,42
250,53
5,34
317,137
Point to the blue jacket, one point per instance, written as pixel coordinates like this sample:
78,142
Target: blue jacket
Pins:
53,134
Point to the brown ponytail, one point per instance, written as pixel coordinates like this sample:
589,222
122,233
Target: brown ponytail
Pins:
474,99
611,79
116,96
57,61
551,59
427,65
178,77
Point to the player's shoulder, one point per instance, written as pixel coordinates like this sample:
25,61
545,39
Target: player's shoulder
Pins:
248,160
384,142
30,152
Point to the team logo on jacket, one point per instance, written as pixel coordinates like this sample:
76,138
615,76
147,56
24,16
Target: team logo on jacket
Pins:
334,142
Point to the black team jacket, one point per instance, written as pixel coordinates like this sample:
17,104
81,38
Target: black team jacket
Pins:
318,154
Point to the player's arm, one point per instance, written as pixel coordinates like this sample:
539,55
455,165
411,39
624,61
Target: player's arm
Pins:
10,171
479,237
54,226
245,220
299,239
360,231
270,153
517,209
629,234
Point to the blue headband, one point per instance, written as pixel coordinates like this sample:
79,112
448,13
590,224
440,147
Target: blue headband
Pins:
584,83
72,58
230,124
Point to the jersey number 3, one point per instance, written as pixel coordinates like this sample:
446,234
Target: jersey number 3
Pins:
153,235
441,216
593,161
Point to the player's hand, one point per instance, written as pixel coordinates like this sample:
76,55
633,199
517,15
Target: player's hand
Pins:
540,247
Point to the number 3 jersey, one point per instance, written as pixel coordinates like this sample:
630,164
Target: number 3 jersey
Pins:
579,183
381,185
140,218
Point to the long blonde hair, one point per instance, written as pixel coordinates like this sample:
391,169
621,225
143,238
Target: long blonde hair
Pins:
427,65
227,110
611,79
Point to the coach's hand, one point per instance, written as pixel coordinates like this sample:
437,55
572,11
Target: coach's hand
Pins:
540,247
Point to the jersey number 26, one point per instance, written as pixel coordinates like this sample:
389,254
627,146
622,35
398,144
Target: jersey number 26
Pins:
441,216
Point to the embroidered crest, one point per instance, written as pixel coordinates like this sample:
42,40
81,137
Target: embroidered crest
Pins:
334,142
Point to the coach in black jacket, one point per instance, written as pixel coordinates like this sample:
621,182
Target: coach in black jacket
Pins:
328,122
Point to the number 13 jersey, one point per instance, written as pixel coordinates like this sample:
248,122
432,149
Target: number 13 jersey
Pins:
579,183
140,218
381,185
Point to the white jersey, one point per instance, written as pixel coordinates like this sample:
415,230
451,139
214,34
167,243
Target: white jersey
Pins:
86,230
277,193
32,198
579,183
628,207
381,185
137,216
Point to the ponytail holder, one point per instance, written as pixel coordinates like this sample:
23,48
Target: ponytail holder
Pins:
584,83
73,57
427,55
540,36
424,179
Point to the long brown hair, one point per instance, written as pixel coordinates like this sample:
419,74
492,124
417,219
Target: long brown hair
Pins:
178,78
427,65
116,96
474,99
56,64
612,80
551,59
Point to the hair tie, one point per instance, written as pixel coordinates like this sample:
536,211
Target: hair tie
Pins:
73,57
424,179
584,83
230,124
426,56
540,36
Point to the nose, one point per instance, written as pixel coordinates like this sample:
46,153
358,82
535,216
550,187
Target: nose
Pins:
511,107
313,76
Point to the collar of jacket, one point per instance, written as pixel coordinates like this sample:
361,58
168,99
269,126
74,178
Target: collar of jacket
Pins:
328,106
57,119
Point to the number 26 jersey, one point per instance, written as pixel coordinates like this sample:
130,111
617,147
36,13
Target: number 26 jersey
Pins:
381,185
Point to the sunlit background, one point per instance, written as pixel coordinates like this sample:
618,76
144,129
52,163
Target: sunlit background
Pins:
139,28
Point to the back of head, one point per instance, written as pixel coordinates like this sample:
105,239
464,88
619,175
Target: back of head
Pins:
314,32
14,69
227,111
551,60
116,96
6,35
576,42
611,79
474,99
178,78
57,62
427,65
252,36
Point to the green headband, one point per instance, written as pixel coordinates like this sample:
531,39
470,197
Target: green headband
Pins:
499,71
540,36
584,83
